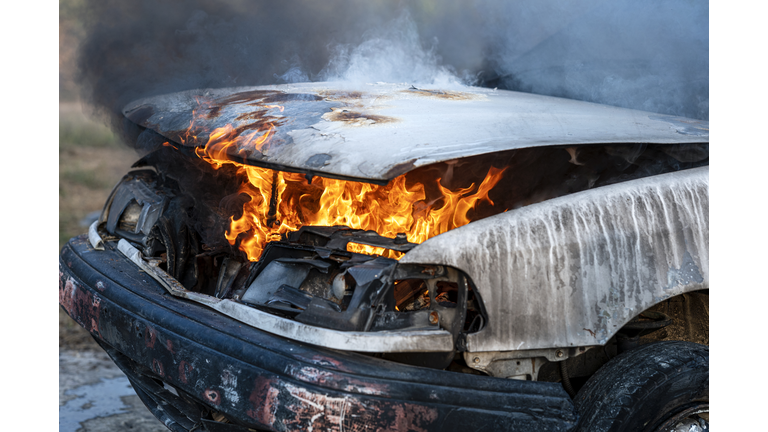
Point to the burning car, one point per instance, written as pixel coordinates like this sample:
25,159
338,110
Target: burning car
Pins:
385,257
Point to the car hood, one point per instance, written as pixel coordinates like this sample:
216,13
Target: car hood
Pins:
375,132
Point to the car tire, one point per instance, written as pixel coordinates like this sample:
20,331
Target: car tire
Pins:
655,387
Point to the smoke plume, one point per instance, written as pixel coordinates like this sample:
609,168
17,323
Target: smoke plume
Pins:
651,55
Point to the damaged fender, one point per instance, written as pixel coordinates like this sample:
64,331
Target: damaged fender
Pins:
573,270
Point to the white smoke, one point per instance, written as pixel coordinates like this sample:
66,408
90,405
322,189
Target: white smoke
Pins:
651,55
392,53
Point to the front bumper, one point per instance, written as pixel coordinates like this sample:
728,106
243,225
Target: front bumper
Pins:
188,362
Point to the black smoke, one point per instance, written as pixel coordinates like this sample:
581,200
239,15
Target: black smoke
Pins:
650,55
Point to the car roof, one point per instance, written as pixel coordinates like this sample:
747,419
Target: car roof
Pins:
375,132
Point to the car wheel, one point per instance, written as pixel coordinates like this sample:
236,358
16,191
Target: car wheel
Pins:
659,387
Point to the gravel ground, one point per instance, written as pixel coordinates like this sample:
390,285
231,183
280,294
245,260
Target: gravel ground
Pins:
95,396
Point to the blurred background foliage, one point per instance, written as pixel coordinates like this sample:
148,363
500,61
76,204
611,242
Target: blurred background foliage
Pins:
91,160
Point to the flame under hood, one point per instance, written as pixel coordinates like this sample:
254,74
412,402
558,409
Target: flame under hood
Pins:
289,207
376,132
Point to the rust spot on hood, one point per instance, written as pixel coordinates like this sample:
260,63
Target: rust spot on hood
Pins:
266,97
259,120
442,94
213,112
342,95
261,98
354,118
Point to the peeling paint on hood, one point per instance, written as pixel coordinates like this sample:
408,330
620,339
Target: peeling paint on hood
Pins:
376,132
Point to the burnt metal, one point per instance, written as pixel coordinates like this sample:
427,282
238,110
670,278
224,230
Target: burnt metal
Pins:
337,238
414,320
397,341
289,299
419,271
580,366
447,315
406,290
318,283
263,381
341,238
317,133
321,265
228,272
450,318
177,410
144,208
299,281
294,281
247,110
272,212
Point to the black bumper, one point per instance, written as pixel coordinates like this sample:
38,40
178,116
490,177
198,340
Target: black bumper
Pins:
263,381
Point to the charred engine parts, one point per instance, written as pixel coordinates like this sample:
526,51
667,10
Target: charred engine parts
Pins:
134,206
145,209
335,289
438,340
307,277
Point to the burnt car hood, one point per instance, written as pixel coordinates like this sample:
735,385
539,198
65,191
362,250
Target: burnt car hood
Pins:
376,132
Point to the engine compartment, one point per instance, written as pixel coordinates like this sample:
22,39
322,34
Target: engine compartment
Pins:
178,209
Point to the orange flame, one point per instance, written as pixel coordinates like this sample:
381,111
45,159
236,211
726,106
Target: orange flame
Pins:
388,210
